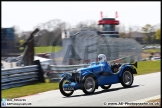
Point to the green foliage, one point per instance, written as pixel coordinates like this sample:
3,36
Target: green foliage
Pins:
21,48
145,39
21,42
158,34
148,30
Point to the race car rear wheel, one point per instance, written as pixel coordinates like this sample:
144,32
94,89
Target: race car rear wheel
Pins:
89,85
65,93
127,78
106,86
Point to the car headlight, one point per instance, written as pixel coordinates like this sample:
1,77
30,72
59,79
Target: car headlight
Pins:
76,71
78,75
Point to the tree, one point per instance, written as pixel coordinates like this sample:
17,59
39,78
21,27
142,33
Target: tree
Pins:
122,32
130,32
16,40
136,28
21,42
148,30
81,25
50,33
93,24
90,24
158,34
145,39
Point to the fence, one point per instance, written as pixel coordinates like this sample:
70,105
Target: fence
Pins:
20,76
57,70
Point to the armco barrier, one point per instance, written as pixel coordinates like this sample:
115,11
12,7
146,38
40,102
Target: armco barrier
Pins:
20,76
57,70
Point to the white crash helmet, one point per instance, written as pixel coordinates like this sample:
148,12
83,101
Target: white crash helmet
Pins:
101,58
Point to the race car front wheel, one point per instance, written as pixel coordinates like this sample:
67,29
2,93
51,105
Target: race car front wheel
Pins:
65,93
89,85
106,86
126,79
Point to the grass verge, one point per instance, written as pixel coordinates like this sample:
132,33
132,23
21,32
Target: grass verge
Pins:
28,90
144,67
46,49
152,50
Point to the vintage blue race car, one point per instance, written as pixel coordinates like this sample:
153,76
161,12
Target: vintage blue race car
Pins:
97,74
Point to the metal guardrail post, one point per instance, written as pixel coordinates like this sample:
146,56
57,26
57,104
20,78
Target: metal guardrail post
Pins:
40,72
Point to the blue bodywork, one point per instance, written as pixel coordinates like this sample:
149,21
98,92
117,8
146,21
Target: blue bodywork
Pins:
102,73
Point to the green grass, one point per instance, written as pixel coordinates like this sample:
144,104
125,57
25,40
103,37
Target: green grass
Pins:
152,50
28,90
45,49
144,67
21,48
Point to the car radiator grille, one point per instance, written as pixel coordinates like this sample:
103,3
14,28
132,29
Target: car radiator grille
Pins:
74,77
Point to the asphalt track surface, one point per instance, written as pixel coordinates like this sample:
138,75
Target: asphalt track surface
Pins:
144,86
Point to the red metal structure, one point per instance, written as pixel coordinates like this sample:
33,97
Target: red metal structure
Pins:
107,27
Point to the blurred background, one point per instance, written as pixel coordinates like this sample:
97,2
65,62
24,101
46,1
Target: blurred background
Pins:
136,24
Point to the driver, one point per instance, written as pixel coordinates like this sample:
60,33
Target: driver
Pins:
103,62
105,67
101,58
